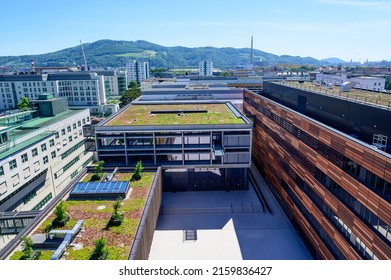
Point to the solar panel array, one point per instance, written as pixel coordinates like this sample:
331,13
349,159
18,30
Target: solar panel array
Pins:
100,189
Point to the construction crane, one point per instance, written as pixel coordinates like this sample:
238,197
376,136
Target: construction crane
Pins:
84,56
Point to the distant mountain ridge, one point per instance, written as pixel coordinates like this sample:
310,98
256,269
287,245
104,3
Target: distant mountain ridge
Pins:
111,53
333,60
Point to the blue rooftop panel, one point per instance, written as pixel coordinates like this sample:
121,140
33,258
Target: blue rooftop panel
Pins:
110,188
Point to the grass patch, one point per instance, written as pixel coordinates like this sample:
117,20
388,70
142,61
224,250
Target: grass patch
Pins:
119,238
45,255
143,54
141,115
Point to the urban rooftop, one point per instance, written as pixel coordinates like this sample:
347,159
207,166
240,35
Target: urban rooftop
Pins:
357,95
177,114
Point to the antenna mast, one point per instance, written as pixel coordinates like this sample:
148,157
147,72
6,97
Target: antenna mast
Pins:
84,56
251,55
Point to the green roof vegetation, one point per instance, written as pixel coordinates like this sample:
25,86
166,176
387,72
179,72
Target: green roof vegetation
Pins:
361,95
96,214
142,114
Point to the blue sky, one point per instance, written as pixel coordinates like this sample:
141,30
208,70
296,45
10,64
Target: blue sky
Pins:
347,29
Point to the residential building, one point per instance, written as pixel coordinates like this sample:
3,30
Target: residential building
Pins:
137,71
328,162
81,89
115,83
201,145
40,152
205,68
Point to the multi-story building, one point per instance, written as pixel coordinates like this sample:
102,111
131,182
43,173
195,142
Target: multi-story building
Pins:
205,68
328,162
201,145
369,83
137,71
362,82
40,152
115,83
81,89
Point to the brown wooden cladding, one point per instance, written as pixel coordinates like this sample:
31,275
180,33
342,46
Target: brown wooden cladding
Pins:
373,161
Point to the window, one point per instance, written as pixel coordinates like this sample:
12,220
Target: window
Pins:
51,142
74,126
63,131
79,123
69,128
13,164
53,154
34,152
24,157
70,139
1,171
45,159
43,147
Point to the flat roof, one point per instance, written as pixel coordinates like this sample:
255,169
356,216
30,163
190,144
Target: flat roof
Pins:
21,129
176,114
101,189
366,96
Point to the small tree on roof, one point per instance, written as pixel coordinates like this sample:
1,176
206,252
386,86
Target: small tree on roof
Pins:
137,171
27,247
99,249
98,171
24,104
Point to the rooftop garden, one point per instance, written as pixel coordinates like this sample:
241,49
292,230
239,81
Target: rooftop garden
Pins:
97,231
144,115
364,96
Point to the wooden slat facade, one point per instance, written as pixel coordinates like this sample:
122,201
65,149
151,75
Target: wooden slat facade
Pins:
271,157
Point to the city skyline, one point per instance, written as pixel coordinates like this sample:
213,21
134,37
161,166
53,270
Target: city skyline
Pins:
346,29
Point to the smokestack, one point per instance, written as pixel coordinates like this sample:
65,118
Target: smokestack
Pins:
32,66
251,55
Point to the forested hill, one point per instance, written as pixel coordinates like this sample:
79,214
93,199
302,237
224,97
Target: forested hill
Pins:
110,53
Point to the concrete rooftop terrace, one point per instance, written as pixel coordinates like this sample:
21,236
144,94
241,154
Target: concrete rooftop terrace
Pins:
356,95
177,114
222,235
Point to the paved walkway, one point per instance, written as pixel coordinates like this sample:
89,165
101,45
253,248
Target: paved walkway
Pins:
229,226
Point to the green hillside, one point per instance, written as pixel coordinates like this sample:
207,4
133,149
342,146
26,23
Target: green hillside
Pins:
109,53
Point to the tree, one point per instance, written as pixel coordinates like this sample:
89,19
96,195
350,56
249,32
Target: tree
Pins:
116,207
387,85
27,247
137,171
24,104
99,249
99,168
133,84
130,95
60,215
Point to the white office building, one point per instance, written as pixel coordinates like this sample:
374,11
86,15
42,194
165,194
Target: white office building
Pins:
40,155
205,68
369,83
137,71
81,89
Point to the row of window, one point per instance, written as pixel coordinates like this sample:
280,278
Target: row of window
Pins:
371,180
43,202
34,152
68,83
25,185
338,223
314,223
376,224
